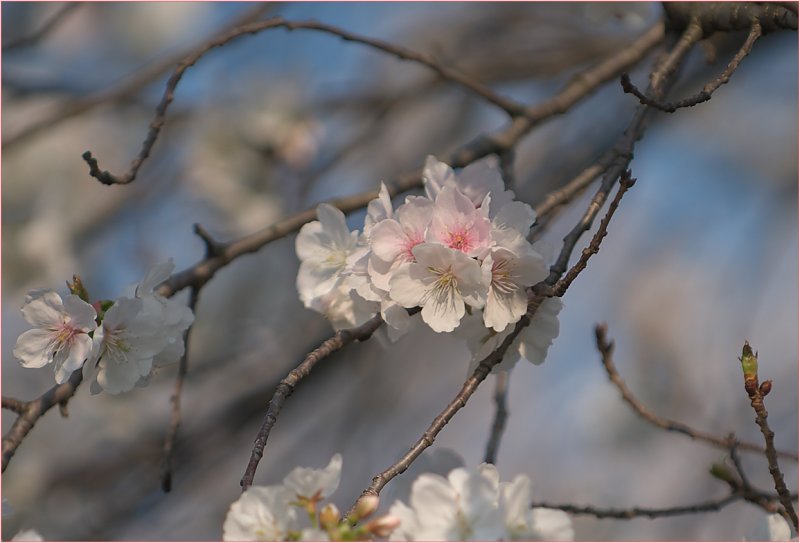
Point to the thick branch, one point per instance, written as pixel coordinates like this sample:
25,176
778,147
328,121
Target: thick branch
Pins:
288,383
730,16
606,349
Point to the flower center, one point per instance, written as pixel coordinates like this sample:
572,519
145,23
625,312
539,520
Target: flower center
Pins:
62,339
115,345
503,277
460,240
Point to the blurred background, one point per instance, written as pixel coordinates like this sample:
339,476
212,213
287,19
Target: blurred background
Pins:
701,256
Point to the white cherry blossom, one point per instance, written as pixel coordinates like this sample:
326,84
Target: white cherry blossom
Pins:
524,523
124,346
315,484
476,182
536,338
507,276
323,247
28,535
61,333
441,281
262,513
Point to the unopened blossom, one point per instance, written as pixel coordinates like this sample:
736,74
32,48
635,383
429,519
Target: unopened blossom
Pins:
315,484
262,513
455,223
536,338
442,281
61,333
524,523
323,247
508,275
462,507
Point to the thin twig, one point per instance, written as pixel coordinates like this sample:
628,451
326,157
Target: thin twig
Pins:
756,392
107,178
125,89
563,284
44,30
603,513
175,402
500,417
606,349
34,410
288,383
705,94
470,385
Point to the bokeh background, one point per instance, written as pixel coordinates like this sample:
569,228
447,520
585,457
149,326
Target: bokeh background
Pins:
701,256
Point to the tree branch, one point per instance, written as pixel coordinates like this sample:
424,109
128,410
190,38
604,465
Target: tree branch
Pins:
606,349
705,94
500,417
288,384
633,512
34,409
175,401
38,35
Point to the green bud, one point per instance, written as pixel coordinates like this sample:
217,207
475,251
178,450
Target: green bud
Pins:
749,361
77,288
720,471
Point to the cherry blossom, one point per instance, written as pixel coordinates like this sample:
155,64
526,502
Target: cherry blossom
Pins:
315,484
442,281
456,223
507,276
478,180
323,247
524,523
262,513
61,333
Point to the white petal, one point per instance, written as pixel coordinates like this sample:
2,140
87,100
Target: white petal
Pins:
309,243
407,286
334,224
517,216
388,240
154,276
443,314
32,348
552,525
44,309
436,175
82,314
307,482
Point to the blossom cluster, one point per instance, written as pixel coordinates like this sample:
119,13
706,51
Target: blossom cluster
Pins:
473,505
467,505
276,512
117,342
460,253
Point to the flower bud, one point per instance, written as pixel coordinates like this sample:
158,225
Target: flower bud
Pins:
749,361
329,516
383,526
765,387
366,506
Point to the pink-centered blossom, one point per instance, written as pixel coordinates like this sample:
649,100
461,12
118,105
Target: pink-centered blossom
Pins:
442,281
392,241
61,333
457,224
478,180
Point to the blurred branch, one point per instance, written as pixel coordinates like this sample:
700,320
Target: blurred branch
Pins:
606,349
130,86
107,178
13,404
500,417
705,94
578,88
756,392
33,410
175,401
731,16
44,30
288,384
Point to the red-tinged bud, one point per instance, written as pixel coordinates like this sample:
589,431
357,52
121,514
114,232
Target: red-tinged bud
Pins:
751,385
383,526
329,516
765,387
366,506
